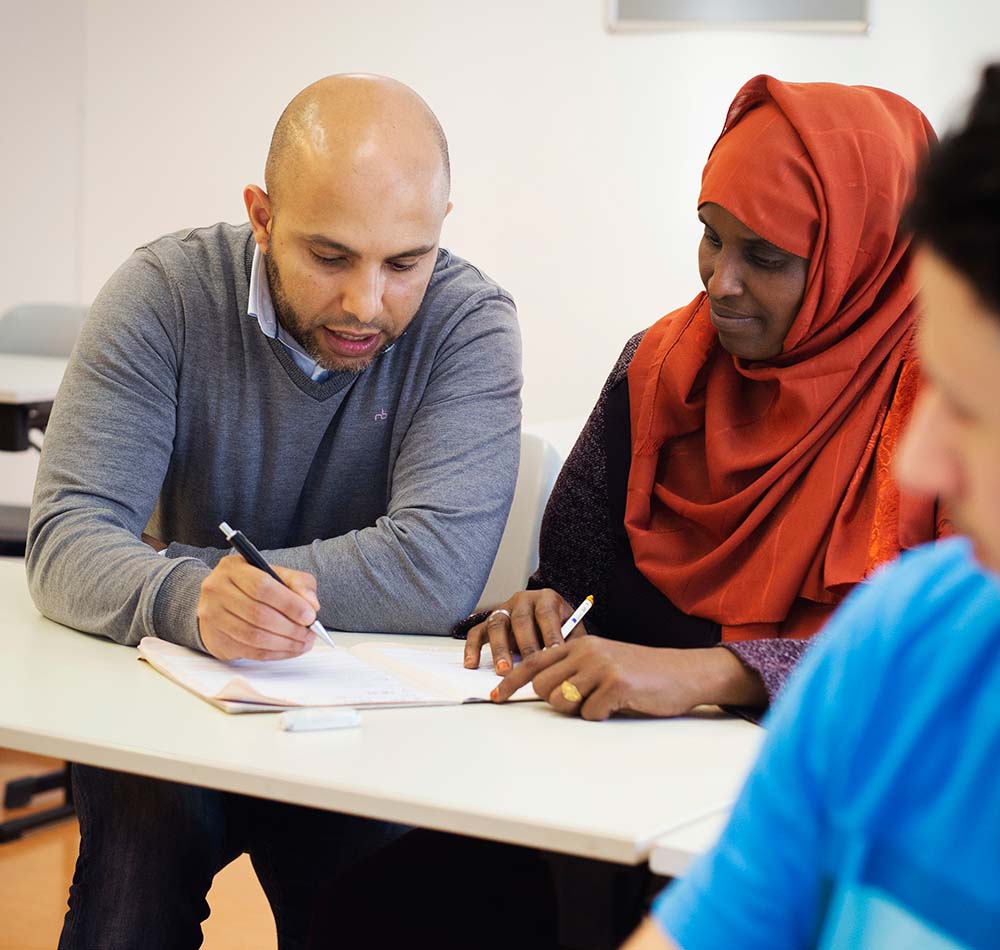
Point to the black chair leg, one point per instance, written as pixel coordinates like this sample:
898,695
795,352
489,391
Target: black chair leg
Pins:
20,792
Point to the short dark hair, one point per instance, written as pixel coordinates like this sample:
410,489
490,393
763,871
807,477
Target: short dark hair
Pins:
956,210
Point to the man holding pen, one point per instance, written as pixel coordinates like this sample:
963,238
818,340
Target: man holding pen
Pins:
325,378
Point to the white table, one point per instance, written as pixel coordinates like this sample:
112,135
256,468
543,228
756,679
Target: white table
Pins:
673,853
520,773
29,379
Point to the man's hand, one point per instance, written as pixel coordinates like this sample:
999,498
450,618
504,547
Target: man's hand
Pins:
244,613
615,677
536,617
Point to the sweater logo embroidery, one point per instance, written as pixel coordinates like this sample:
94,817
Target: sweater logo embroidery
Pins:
381,415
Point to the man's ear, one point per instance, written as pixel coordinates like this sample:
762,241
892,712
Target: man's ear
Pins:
259,212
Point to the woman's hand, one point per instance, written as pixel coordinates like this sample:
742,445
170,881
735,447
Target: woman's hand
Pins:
606,676
532,621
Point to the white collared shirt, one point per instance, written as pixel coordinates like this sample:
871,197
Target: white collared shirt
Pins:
261,307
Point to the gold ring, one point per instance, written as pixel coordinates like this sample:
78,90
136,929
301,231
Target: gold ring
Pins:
569,692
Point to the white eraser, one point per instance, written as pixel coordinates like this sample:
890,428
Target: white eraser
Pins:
303,720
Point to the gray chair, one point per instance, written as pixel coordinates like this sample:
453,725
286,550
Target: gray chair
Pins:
41,329
517,556
35,330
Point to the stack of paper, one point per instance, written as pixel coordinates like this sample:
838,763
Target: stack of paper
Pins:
369,674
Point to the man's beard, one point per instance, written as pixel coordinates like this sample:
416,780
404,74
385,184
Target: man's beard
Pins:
306,337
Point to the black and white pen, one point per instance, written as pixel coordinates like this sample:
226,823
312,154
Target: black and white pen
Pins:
244,546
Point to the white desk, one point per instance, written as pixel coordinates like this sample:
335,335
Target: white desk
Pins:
29,379
673,853
520,773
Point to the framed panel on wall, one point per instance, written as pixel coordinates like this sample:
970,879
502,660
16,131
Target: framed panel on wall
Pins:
839,16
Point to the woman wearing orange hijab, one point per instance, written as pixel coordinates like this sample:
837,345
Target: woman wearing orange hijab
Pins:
754,428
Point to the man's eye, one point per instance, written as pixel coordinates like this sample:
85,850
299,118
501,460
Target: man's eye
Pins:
327,260
402,265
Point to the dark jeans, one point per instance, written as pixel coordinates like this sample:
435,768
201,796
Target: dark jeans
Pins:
449,892
149,850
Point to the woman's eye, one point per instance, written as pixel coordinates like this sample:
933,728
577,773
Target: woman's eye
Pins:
768,263
712,238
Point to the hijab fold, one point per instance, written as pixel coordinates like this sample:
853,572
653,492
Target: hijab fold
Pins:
760,492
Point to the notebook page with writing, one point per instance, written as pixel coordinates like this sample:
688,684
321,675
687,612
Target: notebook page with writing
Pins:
439,669
321,677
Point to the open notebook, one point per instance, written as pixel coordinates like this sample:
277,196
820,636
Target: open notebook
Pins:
368,674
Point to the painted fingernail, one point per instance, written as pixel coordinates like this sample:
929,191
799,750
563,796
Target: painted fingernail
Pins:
495,695
503,667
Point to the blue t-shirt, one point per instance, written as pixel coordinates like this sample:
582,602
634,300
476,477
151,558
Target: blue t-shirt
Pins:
872,818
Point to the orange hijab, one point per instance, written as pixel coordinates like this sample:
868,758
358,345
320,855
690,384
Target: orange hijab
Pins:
760,492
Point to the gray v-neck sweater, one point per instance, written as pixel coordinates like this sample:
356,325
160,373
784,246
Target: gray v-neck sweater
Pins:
392,486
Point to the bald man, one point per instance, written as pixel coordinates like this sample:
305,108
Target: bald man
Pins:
325,378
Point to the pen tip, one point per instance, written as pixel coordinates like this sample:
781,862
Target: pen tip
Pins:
590,597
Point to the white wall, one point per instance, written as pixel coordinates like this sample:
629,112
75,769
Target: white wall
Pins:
41,110
576,152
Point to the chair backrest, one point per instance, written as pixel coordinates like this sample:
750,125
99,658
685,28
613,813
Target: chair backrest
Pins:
41,329
517,556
